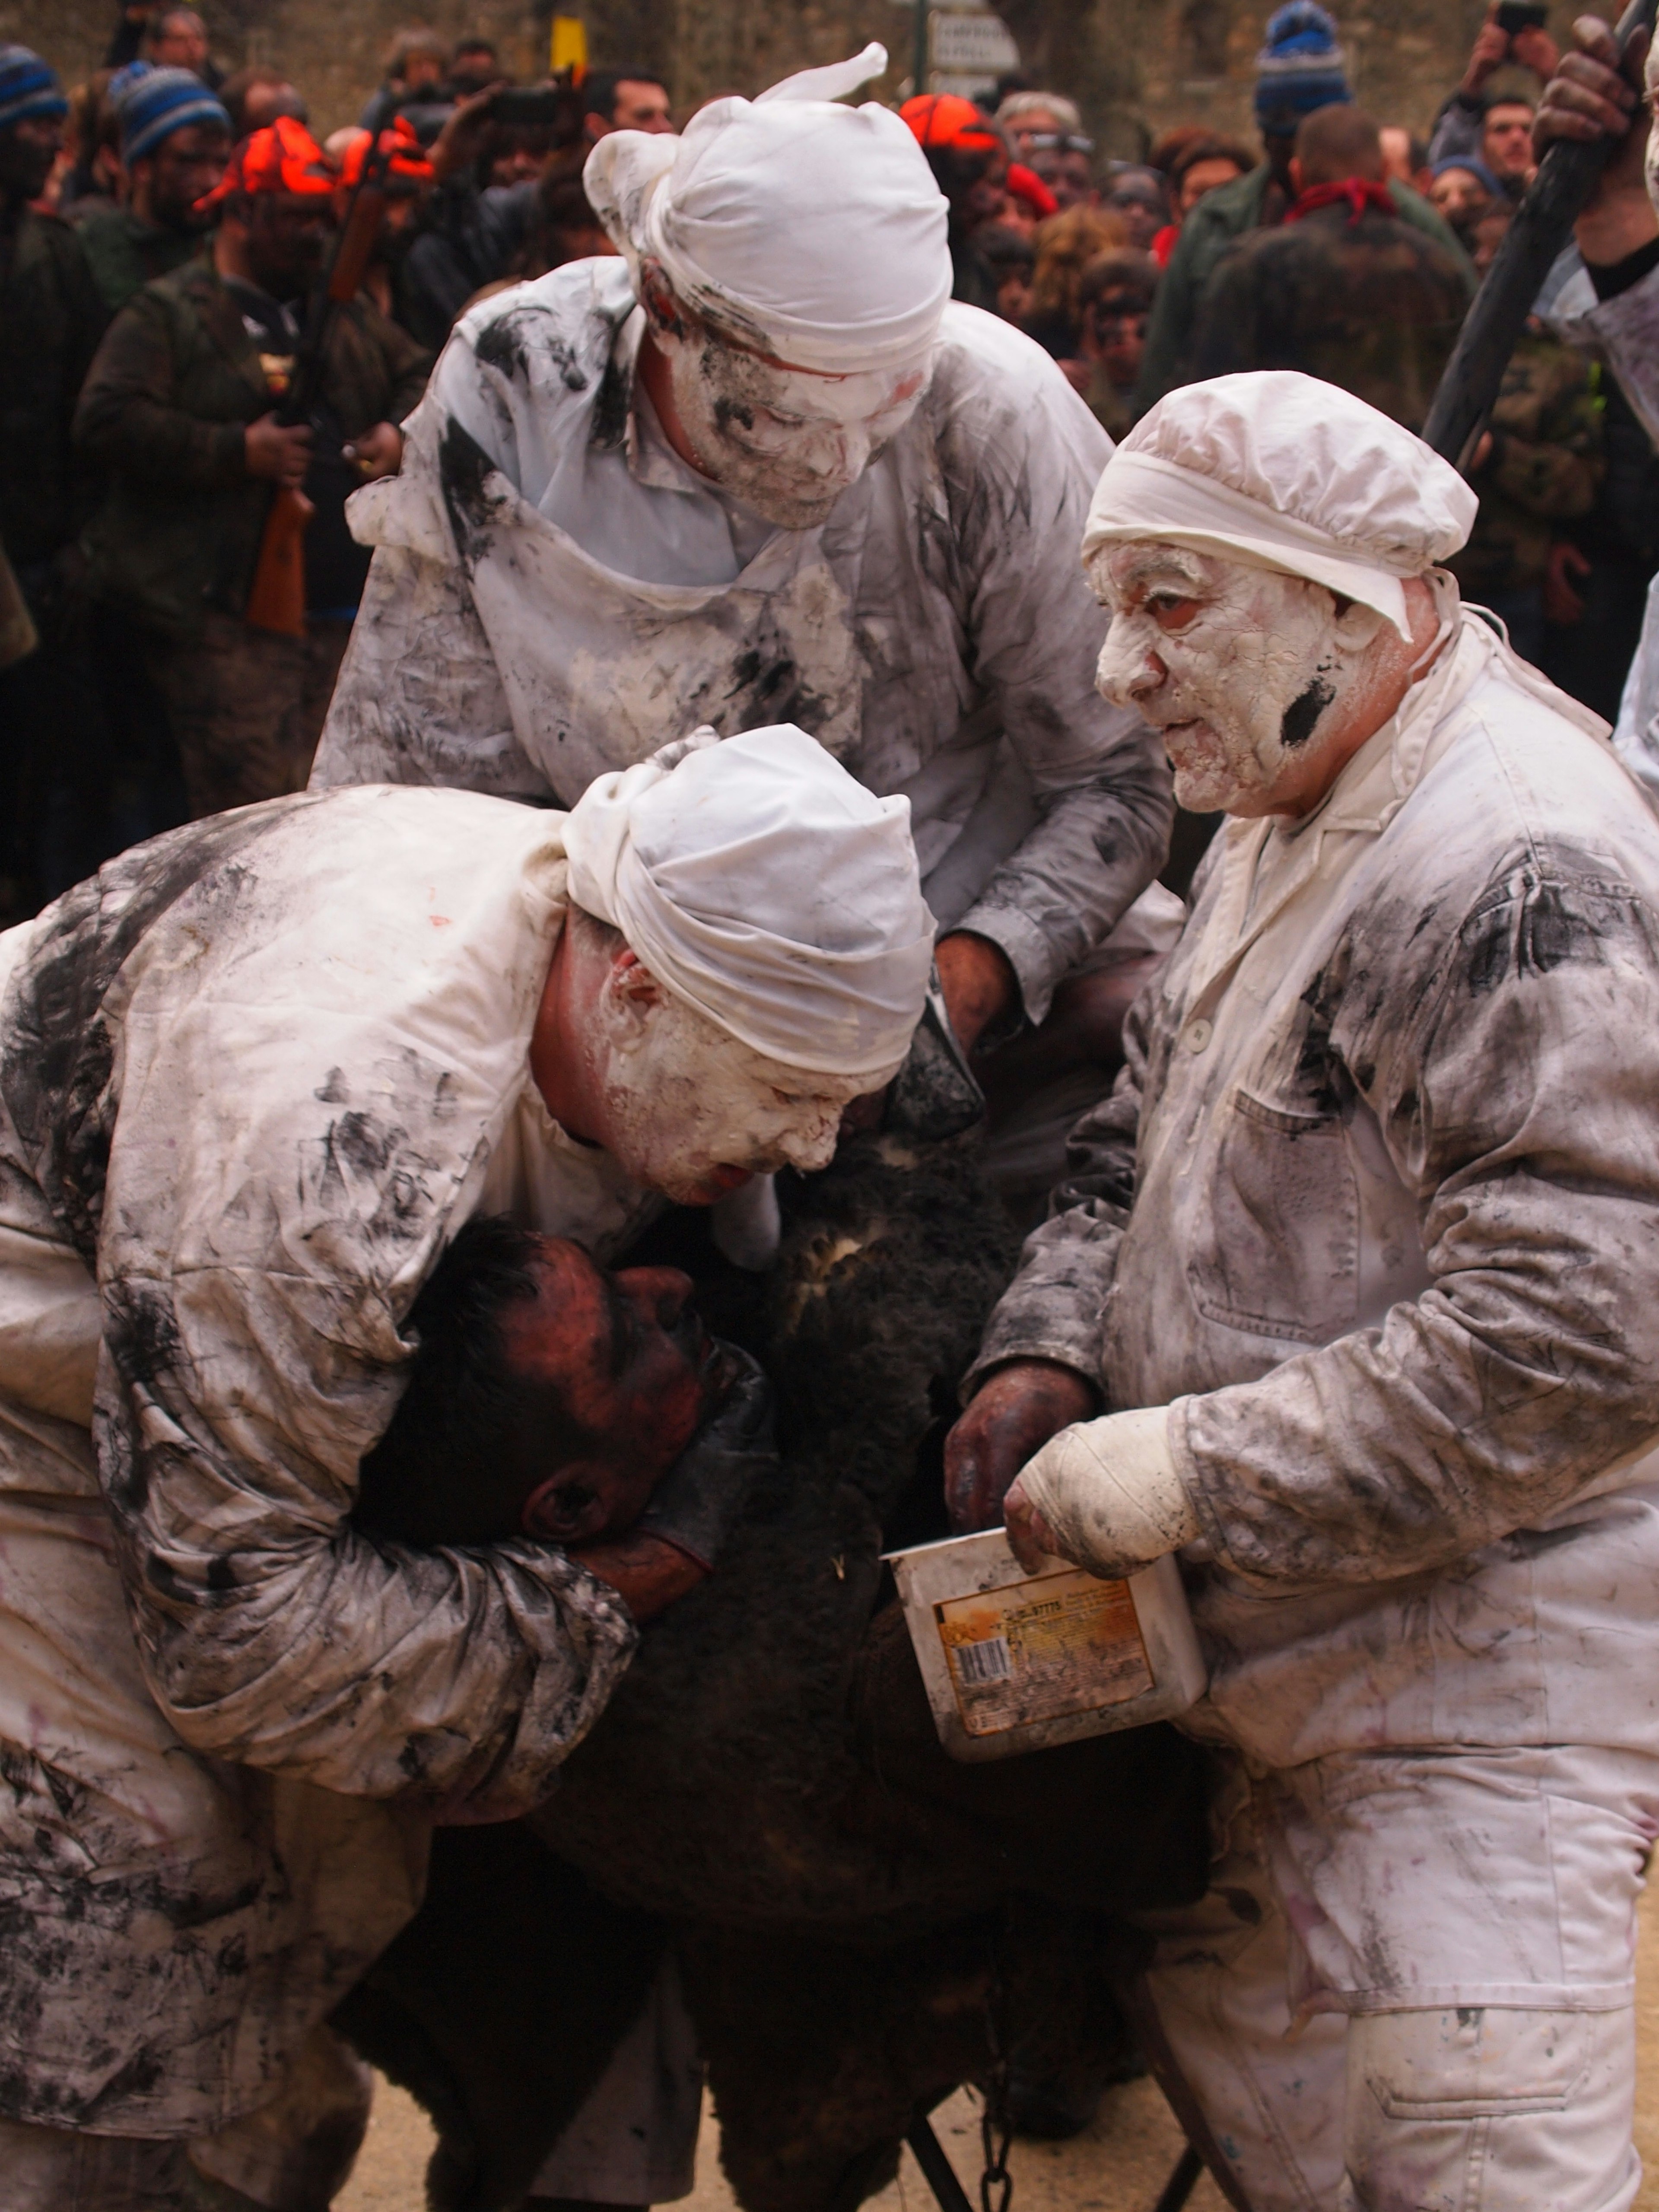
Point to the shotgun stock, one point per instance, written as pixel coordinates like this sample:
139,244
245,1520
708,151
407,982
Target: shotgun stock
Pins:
276,598
1543,223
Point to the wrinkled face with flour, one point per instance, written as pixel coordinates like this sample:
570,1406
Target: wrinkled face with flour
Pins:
786,441
1245,671
694,1113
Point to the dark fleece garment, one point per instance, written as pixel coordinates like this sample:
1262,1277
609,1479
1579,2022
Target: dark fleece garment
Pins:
1373,306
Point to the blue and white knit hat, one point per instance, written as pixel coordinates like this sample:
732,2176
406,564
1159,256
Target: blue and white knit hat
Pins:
28,86
151,104
1301,68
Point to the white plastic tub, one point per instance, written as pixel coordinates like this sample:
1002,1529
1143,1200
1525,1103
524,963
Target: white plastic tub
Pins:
1015,1661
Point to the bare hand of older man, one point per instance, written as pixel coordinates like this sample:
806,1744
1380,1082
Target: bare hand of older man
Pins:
977,978
1012,1415
377,452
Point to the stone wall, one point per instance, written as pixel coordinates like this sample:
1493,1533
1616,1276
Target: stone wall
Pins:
1135,66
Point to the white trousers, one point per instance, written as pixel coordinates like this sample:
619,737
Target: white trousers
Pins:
1405,2095
634,2140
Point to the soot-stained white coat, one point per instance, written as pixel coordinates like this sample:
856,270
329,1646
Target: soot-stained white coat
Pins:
254,1076
1374,1210
555,594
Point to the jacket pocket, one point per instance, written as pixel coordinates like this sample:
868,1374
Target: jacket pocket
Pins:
1470,2064
1281,1257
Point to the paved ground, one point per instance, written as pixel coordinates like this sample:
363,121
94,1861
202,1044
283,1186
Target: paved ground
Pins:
1119,2166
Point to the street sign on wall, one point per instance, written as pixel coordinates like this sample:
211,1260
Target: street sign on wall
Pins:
975,43
968,46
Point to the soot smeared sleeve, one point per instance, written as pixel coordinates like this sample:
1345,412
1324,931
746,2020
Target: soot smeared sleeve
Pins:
1055,1309
1512,1066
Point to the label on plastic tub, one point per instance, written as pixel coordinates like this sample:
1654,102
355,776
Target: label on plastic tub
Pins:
1013,1661
1061,1643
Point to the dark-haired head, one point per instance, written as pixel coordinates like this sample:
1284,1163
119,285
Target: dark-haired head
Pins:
546,1397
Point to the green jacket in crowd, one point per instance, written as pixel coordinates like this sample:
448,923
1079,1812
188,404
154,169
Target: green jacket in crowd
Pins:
1251,203
125,252
51,321
175,383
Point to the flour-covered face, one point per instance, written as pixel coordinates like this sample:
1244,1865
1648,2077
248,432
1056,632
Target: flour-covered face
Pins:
693,1113
786,441
1241,668
1651,82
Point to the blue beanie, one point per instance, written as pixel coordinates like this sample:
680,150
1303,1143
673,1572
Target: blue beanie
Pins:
28,86
1301,68
1476,168
151,103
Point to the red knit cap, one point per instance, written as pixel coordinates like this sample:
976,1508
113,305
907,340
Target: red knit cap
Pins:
282,158
1025,185
944,118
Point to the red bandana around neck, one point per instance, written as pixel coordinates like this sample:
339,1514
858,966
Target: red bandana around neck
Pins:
1356,193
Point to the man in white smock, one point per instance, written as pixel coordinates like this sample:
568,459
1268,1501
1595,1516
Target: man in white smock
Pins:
254,1078
760,467
1353,1298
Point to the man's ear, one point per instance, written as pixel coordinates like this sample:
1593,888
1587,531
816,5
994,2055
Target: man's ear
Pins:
1358,626
1296,185
667,318
567,1508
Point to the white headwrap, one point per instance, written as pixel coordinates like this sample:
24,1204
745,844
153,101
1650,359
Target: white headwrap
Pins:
758,881
1283,470
815,231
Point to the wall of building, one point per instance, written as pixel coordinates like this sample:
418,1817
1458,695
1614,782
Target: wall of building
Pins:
1134,65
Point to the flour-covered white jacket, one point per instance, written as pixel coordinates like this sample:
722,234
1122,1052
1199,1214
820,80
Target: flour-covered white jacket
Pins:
1624,332
1374,1208
554,594
252,1076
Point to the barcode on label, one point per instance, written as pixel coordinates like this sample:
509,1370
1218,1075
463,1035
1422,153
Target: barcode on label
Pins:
989,1661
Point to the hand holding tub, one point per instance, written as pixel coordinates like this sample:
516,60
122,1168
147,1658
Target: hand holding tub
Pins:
1105,1494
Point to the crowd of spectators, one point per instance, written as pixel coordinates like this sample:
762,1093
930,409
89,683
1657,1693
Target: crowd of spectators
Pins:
162,226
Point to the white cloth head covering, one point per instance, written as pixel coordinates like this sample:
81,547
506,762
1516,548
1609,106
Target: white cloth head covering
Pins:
760,883
1291,473
815,231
